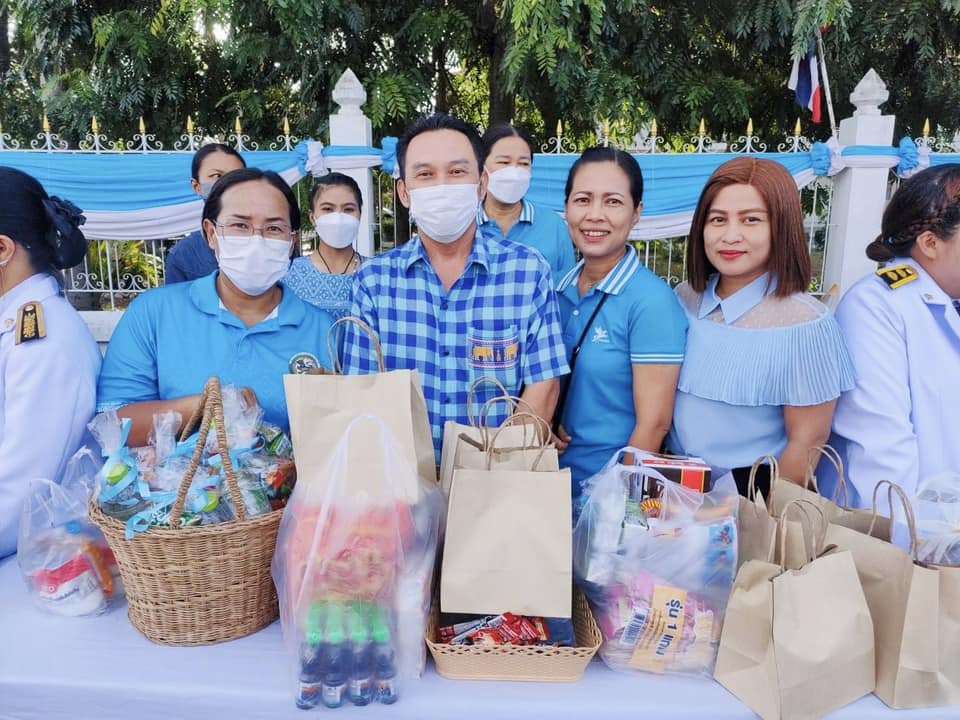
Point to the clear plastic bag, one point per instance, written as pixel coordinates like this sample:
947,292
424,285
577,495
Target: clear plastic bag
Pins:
938,523
353,571
657,562
64,560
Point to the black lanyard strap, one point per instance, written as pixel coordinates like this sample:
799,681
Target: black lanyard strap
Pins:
565,386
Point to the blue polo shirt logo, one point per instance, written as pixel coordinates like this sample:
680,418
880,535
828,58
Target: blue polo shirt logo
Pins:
303,362
600,335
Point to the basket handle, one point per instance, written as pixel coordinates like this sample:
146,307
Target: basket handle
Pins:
211,411
333,343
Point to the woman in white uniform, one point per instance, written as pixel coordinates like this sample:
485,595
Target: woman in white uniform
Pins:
48,359
902,324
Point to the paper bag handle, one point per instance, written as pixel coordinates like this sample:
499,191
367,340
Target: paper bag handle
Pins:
841,495
209,411
804,506
541,428
471,395
752,482
893,488
333,343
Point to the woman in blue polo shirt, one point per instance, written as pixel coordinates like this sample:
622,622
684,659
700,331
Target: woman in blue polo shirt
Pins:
765,361
238,323
508,156
623,327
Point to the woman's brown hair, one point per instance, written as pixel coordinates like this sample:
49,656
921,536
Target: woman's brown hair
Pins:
789,256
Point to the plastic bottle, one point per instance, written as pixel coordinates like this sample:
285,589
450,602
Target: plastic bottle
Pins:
360,688
312,655
339,658
385,666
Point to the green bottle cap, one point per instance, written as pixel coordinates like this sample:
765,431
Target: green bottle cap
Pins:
381,629
335,632
359,629
313,630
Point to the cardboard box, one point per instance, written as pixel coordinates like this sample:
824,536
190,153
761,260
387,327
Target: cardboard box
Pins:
690,472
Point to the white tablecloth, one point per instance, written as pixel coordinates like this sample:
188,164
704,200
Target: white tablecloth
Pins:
102,669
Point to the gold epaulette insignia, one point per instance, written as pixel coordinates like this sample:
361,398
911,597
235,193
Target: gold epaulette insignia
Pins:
897,276
30,323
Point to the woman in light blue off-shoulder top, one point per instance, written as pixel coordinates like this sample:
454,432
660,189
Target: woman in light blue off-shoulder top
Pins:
765,362
325,277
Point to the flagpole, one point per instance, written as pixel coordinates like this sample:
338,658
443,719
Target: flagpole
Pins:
826,84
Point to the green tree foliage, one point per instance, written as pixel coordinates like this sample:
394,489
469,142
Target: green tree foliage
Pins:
626,62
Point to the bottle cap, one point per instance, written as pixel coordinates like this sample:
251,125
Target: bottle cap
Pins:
381,630
335,633
73,527
359,628
313,627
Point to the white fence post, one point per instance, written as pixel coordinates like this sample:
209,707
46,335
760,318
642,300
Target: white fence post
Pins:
349,126
860,194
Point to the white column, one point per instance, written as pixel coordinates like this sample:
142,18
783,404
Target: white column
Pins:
349,126
859,194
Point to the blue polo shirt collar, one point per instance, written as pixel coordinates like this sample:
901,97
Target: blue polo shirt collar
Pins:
615,281
204,295
526,213
738,304
414,252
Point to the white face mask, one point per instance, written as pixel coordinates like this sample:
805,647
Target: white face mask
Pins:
338,230
444,212
254,264
509,184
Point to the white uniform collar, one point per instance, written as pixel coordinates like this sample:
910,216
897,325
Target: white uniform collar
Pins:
926,286
35,288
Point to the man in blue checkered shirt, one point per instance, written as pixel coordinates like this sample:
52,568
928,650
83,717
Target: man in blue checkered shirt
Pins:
452,303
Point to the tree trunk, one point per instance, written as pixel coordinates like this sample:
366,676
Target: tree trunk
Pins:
443,82
494,41
4,39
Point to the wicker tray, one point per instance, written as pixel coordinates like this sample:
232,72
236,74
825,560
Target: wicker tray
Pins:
512,662
198,585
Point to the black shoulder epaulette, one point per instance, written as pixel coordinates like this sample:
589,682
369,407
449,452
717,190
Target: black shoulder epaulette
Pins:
30,323
897,276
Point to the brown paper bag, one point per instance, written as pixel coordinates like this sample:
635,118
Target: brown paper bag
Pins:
916,615
782,490
797,643
521,443
321,406
757,537
509,543
466,445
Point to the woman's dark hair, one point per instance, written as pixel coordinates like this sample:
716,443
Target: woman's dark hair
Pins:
930,200
789,260
498,132
437,121
624,161
48,228
335,179
207,150
211,208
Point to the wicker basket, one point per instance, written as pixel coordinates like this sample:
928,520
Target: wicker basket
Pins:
205,584
512,662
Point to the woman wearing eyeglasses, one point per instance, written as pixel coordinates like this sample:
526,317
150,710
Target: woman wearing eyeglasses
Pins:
238,323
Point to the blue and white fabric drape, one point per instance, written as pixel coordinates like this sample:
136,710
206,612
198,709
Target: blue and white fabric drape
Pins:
148,196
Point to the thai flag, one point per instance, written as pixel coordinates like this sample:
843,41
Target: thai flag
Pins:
805,82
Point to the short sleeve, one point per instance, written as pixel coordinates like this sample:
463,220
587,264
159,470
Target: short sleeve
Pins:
565,256
544,354
359,355
657,326
129,373
173,269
